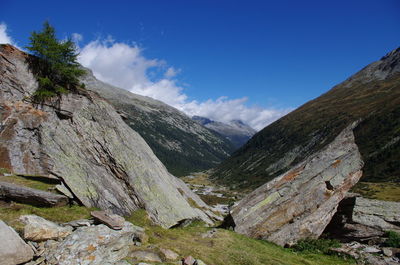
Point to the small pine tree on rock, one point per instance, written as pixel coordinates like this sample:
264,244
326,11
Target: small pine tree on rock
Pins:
56,65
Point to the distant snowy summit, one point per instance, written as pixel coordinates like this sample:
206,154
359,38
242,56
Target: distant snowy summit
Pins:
235,131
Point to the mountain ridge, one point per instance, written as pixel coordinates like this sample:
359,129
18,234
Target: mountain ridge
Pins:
371,95
183,145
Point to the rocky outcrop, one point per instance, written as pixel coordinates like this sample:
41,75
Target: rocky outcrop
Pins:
183,145
364,220
80,139
13,250
300,203
94,245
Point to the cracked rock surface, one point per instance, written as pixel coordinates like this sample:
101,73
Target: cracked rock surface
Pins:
300,203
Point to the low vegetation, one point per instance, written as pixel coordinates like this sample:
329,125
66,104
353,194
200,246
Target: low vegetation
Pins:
386,191
393,239
316,245
225,247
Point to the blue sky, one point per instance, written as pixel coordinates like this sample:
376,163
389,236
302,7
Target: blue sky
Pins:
277,54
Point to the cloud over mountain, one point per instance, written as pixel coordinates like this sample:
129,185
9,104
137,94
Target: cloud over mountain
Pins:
125,66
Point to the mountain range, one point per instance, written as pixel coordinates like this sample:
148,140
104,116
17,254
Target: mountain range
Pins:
235,131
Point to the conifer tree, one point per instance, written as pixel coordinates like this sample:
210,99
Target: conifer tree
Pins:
56,65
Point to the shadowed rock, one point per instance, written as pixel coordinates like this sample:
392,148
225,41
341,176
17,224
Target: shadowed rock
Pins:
30,196
301,202
81,139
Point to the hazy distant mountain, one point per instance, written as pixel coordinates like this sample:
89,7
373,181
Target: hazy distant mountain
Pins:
182,144
372,95
236,131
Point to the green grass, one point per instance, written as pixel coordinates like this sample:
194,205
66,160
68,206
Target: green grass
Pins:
386,191
10,213
226,247
35,182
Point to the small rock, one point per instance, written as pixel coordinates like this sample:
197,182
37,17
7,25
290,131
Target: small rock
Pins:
387,252
79,223
371,249
142,255
40,229
199,262
13,250
113,221
189,260
169,254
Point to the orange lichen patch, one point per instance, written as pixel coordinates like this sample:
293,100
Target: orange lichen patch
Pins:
100,238
336,163
91,248
91,258
291,175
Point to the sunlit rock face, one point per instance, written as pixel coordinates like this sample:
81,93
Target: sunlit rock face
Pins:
300,203
81,139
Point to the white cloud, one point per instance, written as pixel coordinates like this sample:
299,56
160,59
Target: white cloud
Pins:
76,37
4,37
124,65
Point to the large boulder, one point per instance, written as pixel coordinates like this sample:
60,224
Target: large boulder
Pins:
301,202
13,250
95,245
81,139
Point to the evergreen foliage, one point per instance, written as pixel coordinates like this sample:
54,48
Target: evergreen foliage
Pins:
56,63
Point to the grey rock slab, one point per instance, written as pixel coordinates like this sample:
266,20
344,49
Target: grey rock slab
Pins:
13,250
39,229
300,203
81,139
382,215
95,245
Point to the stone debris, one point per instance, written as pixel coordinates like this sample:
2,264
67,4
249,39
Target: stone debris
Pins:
95,245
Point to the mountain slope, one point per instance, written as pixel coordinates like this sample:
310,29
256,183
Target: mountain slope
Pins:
235,131
181,144
372,95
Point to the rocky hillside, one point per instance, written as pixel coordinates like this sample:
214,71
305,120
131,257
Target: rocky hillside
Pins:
372,96
183,145
235,131
79,139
